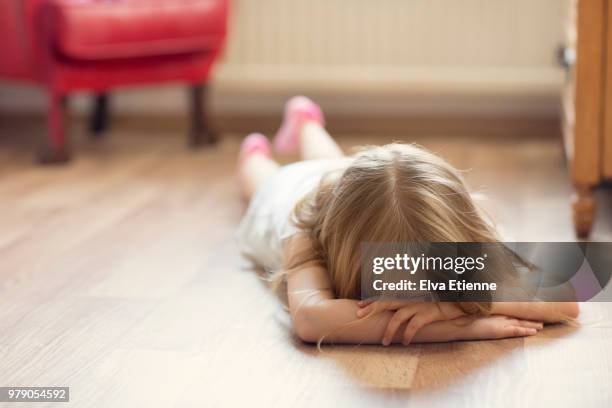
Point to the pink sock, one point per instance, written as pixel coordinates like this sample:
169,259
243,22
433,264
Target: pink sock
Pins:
298,110
255,143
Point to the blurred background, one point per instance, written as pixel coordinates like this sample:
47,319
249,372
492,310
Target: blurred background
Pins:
389,58
86,80
120,127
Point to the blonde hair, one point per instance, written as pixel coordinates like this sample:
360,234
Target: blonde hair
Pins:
392,193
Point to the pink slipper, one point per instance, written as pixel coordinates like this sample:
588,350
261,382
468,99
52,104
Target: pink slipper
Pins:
255,143
298,110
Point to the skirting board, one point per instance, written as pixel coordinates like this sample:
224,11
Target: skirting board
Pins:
415,91
450,93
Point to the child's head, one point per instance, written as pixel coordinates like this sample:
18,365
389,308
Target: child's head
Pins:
392,193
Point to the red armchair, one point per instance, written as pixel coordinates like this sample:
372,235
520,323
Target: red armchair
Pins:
98,45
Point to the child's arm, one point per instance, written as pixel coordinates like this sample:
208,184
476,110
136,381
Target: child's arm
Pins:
333,321
318,315
549,312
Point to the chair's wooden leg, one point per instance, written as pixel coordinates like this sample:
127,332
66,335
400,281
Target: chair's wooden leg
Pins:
201,132
98,122
583,207
56,149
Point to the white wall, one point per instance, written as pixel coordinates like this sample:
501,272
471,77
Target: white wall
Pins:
487,57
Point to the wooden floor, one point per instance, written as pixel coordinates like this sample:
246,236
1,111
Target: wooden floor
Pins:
119,277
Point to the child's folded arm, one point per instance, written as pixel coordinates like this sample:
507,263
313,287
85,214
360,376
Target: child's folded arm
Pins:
318,315
333,320
549,312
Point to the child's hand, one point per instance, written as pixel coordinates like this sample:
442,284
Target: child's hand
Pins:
499,327
417,314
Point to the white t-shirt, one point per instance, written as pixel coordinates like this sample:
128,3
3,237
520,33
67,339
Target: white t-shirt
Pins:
267,221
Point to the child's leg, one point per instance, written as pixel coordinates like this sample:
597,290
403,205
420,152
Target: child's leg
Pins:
316,143
255,163
303,130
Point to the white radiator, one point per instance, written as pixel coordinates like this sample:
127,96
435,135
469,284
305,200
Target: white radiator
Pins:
417,46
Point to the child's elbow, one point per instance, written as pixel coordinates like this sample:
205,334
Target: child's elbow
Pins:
306,333
304,325
572,310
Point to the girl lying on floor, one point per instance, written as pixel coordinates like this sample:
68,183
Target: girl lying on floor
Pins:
306,221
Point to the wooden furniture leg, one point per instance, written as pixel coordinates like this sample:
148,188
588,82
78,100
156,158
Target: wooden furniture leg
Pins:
55,150
588,104
99,116
201,132
583,208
